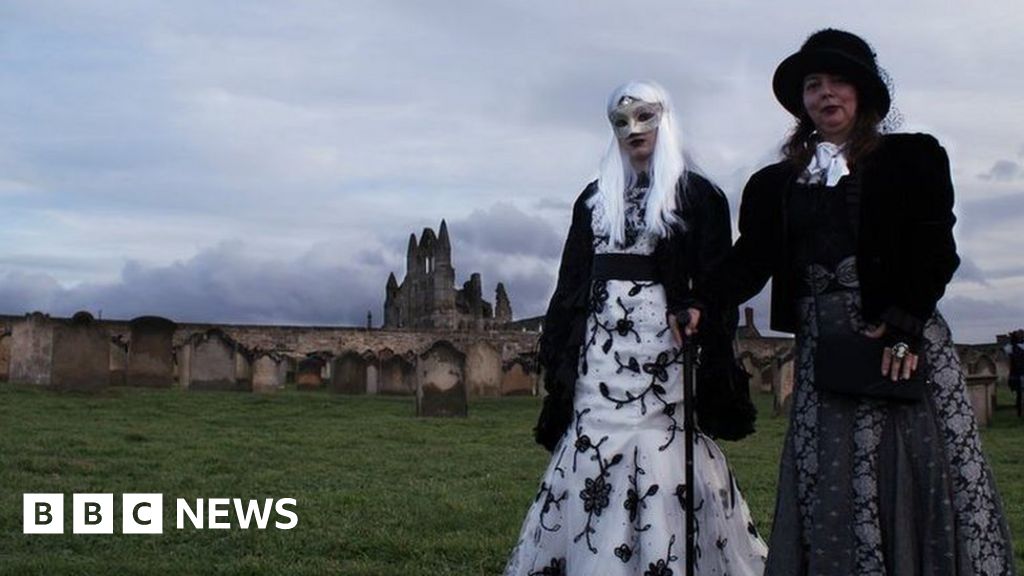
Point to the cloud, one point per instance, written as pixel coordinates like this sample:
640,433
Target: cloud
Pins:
970,272
1004,171
141,141
978,320
220,284
503,229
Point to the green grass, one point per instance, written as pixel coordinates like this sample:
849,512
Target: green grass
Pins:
379,492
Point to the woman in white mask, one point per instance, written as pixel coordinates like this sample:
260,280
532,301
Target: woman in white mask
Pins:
611,501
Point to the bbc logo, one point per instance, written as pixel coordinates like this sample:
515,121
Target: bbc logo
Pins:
143,513
93,513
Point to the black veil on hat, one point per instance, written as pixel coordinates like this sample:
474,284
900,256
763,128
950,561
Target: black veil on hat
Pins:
838,52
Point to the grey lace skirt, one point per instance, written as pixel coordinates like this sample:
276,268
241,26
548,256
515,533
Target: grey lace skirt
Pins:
868,487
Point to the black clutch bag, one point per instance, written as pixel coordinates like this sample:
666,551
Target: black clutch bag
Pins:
850,363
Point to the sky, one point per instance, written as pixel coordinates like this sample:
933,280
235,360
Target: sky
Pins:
266,161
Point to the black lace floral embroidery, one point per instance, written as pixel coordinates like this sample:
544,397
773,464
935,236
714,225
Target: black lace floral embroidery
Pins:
634,501
624,553
660,568
658,371
549,497
596,494
555,568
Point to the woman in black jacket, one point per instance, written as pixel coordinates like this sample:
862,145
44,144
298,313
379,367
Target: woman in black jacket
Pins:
611,500
882,471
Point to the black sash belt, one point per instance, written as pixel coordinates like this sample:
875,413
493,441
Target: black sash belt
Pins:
625,267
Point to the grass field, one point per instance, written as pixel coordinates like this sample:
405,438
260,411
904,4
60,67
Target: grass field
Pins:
379,492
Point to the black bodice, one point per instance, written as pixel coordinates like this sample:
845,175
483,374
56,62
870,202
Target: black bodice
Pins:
821,234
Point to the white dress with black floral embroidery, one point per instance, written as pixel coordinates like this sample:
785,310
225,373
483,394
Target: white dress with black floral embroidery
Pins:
612,499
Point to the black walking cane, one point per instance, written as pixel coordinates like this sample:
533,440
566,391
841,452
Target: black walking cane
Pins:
689,378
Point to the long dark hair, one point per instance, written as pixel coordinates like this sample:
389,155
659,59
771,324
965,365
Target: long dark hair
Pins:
799,147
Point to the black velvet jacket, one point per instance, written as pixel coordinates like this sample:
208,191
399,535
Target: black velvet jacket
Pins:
682,259
905,249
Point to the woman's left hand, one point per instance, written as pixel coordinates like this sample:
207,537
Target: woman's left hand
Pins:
893,367
693,320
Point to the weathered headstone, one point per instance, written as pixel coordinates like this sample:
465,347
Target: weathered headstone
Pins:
291,368
441,381
750,363
150,352
243,364
397,375
81,354
979,391
349,374
983,366
213,362
483,370
782,381
5,356
32,350
269,370
372,373
518,379
308,374
118,360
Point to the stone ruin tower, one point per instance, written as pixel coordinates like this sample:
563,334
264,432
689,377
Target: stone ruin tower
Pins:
428,299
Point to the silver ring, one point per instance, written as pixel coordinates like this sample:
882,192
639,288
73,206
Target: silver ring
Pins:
900,350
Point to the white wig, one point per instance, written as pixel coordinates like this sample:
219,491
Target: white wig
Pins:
666,167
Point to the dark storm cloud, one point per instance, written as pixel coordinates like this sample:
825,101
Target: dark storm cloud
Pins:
503,229
220,284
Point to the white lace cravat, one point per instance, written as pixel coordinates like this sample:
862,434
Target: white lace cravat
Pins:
827,165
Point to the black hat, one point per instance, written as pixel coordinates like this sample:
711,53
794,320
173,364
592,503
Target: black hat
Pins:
834,51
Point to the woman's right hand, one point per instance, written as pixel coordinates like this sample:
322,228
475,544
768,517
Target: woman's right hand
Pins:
893,367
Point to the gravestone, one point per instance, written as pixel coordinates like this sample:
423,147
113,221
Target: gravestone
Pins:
81,354
518,380
983,366
151,352
307,376
5,356
782,381
243,364
213,362
349,374
118,360
483,370
32,350
979,391
291,367
269,371
441,381
372,373
753,367
397,375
